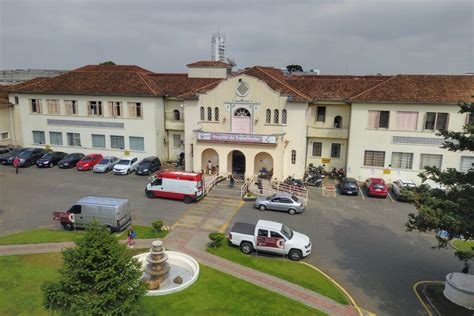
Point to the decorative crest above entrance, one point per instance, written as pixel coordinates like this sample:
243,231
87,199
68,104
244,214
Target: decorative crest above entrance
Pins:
242,89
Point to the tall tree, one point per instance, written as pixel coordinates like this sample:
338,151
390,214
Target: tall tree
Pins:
451,209
292,68
98,277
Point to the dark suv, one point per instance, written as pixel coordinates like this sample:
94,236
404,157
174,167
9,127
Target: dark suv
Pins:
50,159
29,156
148,165
349,186
70,160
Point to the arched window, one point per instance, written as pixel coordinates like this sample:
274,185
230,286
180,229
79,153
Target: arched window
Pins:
283,116
241,112
176,115
276,116
202,113
293,157
338,122
209,113
268,116
216,114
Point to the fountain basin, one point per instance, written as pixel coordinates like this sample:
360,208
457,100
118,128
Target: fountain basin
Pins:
181,265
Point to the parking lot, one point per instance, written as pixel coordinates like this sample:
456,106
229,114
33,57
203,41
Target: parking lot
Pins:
360,241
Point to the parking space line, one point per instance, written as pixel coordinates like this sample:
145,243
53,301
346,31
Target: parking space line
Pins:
362,193
391,198
236,209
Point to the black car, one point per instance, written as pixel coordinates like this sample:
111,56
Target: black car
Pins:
70,160
50,159
349,186
7,158
5,150
148,165
29,156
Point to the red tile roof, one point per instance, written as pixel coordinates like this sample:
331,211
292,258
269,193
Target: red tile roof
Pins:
210,64
420,89
176,86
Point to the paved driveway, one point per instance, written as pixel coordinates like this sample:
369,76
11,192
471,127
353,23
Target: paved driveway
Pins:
363,245
28,198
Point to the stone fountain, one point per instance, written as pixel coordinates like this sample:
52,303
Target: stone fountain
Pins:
166,272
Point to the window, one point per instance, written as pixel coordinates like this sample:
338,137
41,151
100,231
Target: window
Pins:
470,119
467,163
428,160
268,116
407,121
176,140
263,233
402,160
321,114
338,122
71,107
137,143
35,105
176,115
209,113
275,234
317,149
17,101
75,209
95,108
374,158
115,109
98,141
56,138
276,117
135,109
283,116
436,121
293,157
379,119
73,139
216,114
202,113
335,150
117,142
53,106
38,137
5,135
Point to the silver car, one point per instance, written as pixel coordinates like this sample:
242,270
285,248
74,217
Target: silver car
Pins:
106,164
280,202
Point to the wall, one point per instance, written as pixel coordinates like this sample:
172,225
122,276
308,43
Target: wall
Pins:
207,72
326,153
362,138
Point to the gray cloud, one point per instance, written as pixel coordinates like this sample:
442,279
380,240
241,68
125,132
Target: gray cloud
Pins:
362,36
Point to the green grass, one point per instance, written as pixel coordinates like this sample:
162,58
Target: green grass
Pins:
285,269
463,245
214,293
43,235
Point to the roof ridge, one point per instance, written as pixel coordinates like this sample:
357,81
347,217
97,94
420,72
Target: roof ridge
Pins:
373,87
204,86
285,84
146,83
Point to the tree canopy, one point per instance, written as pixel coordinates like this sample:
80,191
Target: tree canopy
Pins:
109,62
98,277
292,68
450,209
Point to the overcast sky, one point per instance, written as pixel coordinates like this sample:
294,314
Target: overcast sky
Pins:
335,36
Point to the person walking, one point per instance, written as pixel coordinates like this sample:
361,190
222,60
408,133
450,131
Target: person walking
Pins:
231,181
131,236
16,164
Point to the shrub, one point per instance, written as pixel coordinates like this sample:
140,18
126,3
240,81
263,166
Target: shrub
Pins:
157,226
217,239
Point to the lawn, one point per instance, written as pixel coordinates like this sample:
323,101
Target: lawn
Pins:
43,235
464,245
214,293
285,269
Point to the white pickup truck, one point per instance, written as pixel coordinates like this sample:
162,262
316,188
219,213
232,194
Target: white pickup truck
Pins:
270,237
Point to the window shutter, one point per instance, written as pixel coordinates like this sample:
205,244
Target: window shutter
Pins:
89,111
110,105
68,105
40,110
131,109
373,119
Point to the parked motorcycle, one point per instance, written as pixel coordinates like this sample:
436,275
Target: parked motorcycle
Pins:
295,182
313,179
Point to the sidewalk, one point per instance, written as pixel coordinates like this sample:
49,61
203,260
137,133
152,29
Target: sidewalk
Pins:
194,243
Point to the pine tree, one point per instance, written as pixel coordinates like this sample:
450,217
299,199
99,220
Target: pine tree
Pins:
450,210
98,277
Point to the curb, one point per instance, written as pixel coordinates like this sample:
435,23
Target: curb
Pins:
419,297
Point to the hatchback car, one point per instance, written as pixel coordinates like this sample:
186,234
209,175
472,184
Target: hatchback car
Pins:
126,165
280,202
29,156
7,158
349,186
376,187
148,165
88,162
106,164
50,159
70,161
398,185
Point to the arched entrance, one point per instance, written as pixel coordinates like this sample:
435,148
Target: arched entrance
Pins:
210,155
241,121
263,165
236,163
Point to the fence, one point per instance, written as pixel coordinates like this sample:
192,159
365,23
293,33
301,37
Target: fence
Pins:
269,188
210,182
244,189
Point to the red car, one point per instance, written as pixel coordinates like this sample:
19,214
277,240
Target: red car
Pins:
89,161
376,187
